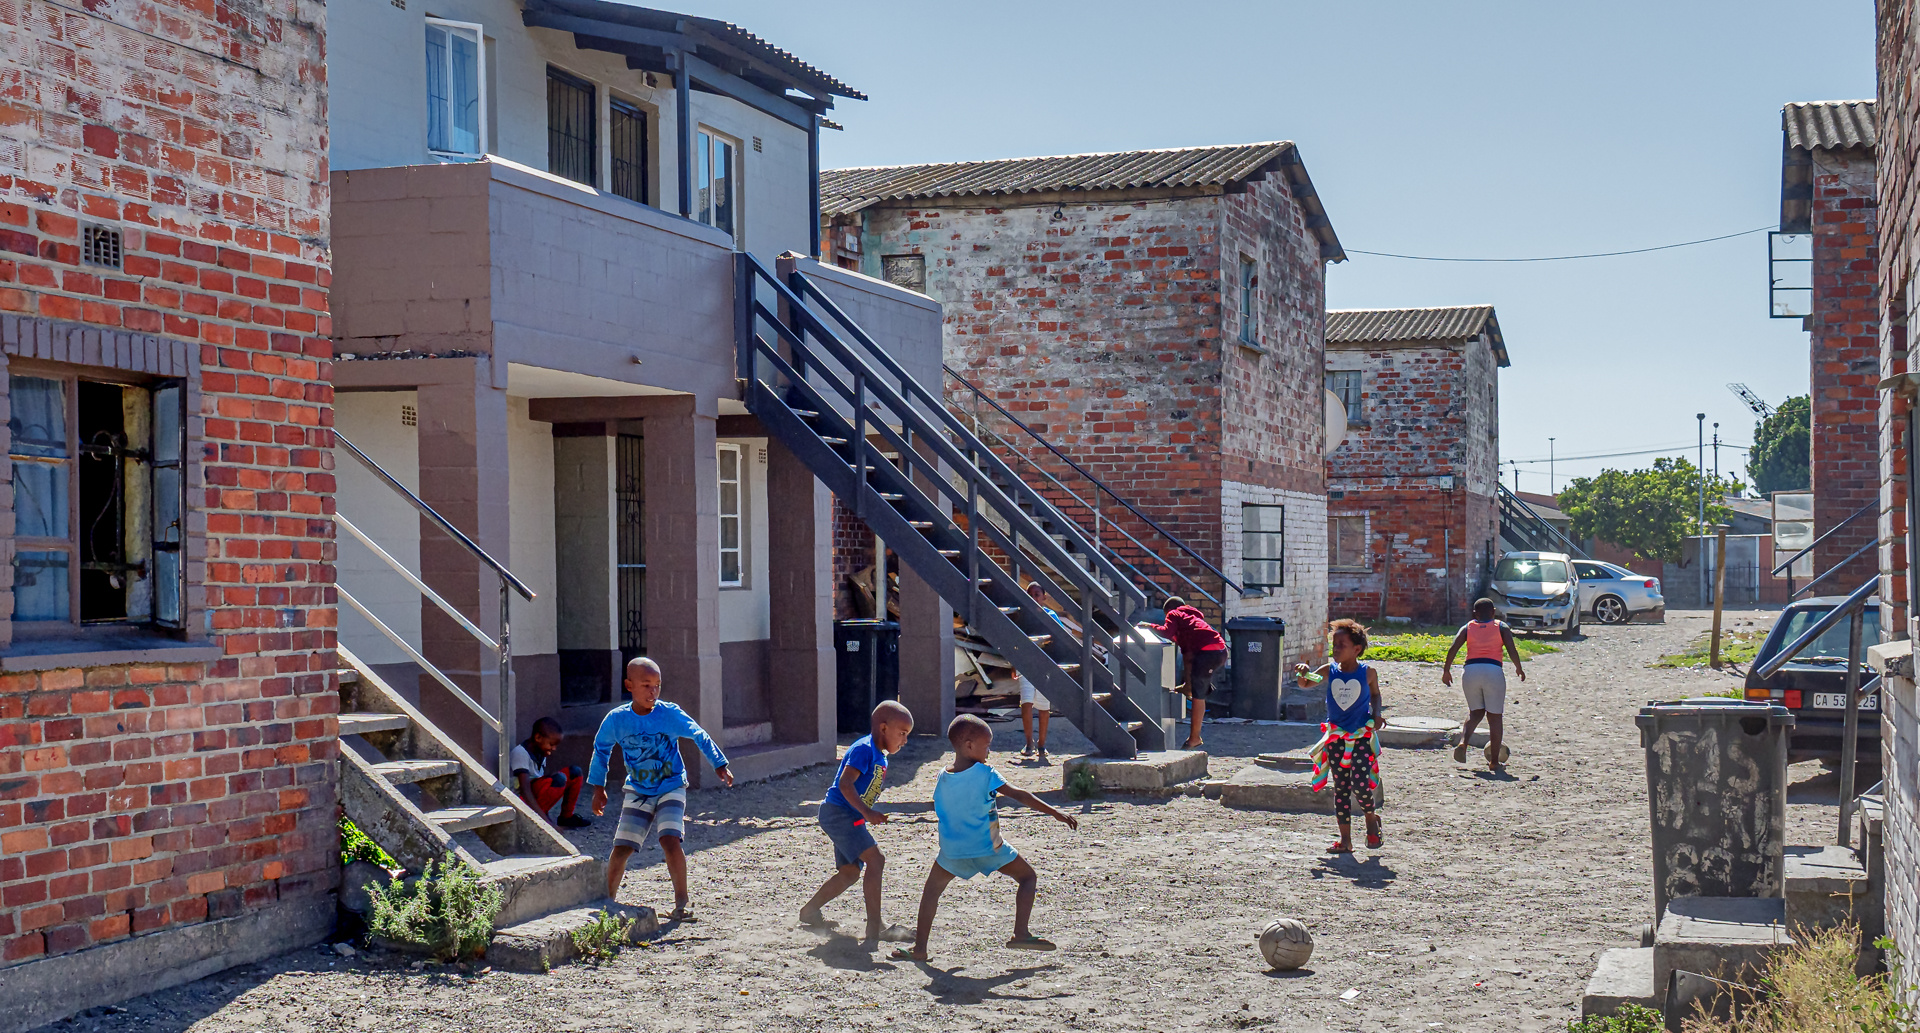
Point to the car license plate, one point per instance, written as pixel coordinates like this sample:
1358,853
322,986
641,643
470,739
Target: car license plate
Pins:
1838,701
1524,622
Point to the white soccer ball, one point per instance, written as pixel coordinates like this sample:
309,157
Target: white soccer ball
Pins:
1286,944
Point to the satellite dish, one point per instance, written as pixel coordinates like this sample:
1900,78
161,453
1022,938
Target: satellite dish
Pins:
1336,421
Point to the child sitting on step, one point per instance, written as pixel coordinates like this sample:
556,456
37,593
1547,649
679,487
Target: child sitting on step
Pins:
541,790
1346,750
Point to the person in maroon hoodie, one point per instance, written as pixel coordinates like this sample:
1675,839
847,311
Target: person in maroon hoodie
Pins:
1204,652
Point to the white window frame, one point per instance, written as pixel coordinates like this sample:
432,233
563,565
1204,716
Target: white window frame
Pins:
704,137
1281,559
480,40
1366,537
738,516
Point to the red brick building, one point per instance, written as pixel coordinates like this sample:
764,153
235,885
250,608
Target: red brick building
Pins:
1157,317
167,730
1827,190
1413,516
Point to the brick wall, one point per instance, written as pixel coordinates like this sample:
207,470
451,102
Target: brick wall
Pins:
1845,357
1898,177
136,798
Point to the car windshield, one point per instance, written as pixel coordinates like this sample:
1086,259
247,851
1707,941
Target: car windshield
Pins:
1832,643
1520,568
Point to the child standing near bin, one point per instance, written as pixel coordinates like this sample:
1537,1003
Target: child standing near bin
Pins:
1346,750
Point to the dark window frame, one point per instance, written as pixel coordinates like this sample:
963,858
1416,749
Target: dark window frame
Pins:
629,150
1247,554
1358,390
569,152
1249,296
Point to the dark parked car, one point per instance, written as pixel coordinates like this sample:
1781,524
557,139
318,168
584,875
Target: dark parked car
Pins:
1814,684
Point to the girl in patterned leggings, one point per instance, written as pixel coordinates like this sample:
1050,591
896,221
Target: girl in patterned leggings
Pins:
1346,746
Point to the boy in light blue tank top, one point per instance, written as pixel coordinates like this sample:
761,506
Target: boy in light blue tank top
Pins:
1346,748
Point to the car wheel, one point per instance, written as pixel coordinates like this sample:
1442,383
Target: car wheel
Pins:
1573,625
1610,609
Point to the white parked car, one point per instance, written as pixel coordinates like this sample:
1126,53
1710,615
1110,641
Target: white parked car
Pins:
1537,590
1614,595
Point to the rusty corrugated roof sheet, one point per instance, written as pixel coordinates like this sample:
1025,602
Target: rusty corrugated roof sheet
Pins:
1829,124
845,191
1398,325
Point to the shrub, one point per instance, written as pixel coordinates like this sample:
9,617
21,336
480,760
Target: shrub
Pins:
1630,1018
602,938
1812,988
1083,784
446,912
355,846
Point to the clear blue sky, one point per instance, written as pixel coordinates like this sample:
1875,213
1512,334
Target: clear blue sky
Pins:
1470,129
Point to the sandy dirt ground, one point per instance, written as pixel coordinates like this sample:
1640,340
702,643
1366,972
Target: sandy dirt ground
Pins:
1485,910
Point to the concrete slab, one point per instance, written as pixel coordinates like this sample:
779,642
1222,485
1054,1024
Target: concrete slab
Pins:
1414,732
1146,771
1291,760
1481,736
541,943
1826,887
1266,789
1725,937
1624,976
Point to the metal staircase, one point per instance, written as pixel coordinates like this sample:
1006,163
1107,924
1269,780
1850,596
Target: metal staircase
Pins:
1523,531
947,505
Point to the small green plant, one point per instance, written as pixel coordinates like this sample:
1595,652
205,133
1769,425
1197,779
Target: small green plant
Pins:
355,846
1083,784
447,911
1813,988
1736,647
1429,645
602,938
1631,1018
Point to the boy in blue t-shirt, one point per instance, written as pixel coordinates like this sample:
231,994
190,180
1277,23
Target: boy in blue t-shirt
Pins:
970,843
846,814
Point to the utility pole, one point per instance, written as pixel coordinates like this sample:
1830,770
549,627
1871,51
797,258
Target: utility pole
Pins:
1700,553
1551,489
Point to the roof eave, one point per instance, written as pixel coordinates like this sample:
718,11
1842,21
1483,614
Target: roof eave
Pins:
1309,200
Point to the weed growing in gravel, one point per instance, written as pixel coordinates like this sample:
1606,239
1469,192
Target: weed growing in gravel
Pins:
355,846
1813,989
1736,647
601,939
1630,1018
1429,646
446,912
1083,784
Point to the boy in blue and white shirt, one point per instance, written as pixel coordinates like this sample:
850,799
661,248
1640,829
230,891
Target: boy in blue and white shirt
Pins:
847,814
648,733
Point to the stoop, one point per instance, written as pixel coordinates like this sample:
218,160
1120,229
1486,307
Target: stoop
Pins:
1624,976
1826,886
1284,786
1147,771
1725,937
1417,732
540,944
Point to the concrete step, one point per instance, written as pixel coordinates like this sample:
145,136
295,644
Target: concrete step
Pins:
466,819
535,884
1731,937
1146,771
539,944
400,772
361,724
1414,732
1826,887
1624,976
1291,760
1257,787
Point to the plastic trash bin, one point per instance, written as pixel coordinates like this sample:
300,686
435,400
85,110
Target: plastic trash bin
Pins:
1717,795
867,663
1257,646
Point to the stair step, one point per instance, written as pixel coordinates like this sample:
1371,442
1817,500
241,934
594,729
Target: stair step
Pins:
891,497
402,771
1009,609
833,440
1103,698
1070,668
464,819
361,724
921,525
348,676
806,414
950,553
1134,726
1040,640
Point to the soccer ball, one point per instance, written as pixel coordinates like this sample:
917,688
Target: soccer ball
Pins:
1286,944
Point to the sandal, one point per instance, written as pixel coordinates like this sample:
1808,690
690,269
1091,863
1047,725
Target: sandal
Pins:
902,954
1031,942
683,913
1373,839
1460,752
1337,847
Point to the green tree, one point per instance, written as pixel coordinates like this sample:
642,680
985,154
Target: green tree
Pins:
1647,511
1782,448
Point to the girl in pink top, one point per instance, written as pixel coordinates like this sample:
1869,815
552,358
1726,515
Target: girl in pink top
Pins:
1485,680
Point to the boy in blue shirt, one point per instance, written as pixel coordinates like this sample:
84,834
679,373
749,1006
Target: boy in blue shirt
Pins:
847,814
648,733
970,843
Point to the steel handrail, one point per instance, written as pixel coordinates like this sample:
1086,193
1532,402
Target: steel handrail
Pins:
979,430
1097,483
413,654
430,513
1519,505
434,597
1836,568
1857,514
1857,599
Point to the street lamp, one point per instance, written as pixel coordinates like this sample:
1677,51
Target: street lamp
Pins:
1700,469
1550,485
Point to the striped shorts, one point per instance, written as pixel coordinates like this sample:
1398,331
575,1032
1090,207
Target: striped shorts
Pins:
644,816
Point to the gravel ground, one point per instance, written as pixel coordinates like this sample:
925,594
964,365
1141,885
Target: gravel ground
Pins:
1485,910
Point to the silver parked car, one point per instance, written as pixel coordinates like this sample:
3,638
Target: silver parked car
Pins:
1537,590
1614,595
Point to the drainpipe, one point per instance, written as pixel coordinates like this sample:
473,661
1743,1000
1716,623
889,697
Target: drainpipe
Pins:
813,180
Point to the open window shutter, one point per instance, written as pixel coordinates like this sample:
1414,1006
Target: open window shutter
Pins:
169,504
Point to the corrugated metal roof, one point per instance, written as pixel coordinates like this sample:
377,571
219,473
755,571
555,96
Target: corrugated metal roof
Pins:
1397,325
803,75
1829,124
846,191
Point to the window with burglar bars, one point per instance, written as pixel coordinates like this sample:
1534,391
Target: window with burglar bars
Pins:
627,127
571,149
98,501
1262,546
630,471
1347,542
1346,384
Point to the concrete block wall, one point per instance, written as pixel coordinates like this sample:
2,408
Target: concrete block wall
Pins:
1302,601
141,798
1845,358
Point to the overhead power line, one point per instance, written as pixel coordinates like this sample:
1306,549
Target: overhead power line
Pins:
1617,455
1563,258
